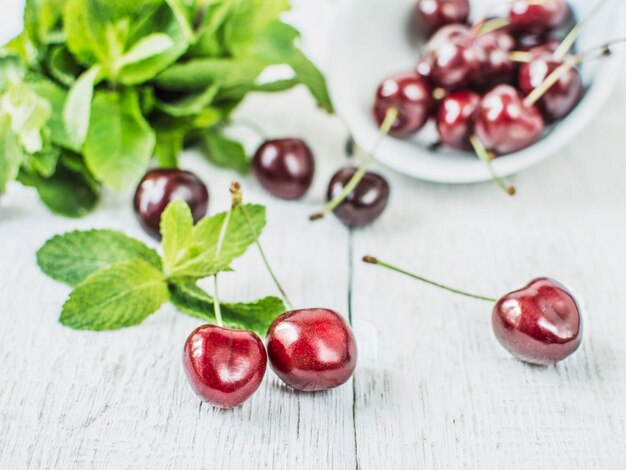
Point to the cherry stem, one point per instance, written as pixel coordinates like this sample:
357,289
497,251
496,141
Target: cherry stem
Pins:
489,26
569,63
569,40
521,56
218,251
374,261
238,203
486,157
385,127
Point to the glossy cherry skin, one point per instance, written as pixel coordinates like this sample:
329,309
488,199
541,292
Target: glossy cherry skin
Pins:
160,187
430,15
529,17
311,349
284,167
411,96
562,97
540,323
504,124
497,66
455,119
365,204
224,366
452,58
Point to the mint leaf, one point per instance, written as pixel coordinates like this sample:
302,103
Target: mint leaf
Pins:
56,97
11,154
145,48
67,193
72,257
78,107
120,142
256,316
168,147
226,153
176,228
202,260
119,296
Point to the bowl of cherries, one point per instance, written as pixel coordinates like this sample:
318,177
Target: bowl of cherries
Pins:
476,89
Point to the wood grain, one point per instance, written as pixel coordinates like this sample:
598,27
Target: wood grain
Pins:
433,389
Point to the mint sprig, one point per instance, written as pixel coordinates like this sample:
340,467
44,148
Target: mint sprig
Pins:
119,281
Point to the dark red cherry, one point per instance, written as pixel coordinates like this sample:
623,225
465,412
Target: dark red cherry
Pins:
562,97
455,120
224,367
411,96
312,349
452,57
540,323
497,66
284,167
430,15
365,203
529,16
160,187
504,124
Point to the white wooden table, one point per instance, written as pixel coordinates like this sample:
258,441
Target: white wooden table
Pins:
433,389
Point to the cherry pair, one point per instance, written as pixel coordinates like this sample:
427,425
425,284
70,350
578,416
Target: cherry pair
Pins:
309,349
540,323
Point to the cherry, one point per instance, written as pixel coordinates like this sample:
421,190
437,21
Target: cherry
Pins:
497,66
451,58
528,16
365,203
455,120
411,96
504,123
284,167
311,349
160,187
430,15
224,366
539,324
562,97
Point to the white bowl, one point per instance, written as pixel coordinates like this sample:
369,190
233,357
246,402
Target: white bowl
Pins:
371,41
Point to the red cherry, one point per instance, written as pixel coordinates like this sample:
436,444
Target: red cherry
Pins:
452,57
224,367
365,203
527,16
284,167
411,96
497,66
312,349
540,323
455,120
562,97
160,187
504,124
430,15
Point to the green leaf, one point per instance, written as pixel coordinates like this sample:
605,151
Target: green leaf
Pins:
42,19
189,104
309,75
169,145
67,193
77,110
202,261
145,48
119,296
256,316
62,66
226,153
176,228
72,257
78,31
11,154
120,142
56,97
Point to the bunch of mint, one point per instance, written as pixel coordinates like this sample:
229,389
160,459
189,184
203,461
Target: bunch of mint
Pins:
118,281
92,90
